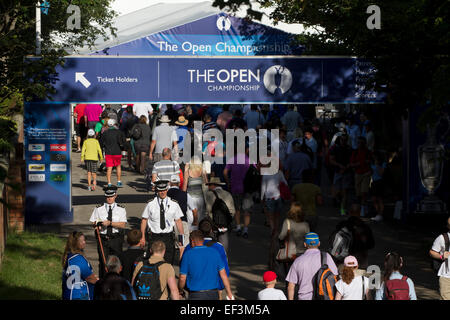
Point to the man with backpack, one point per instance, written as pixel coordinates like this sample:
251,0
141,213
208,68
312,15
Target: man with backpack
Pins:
153,278
314,272
220,208
440,253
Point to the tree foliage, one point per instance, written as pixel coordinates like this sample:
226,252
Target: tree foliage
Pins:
17,40
410,51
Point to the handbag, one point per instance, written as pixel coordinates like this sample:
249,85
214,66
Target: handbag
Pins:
288,253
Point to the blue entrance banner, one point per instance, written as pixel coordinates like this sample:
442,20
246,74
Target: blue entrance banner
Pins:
48,174
268,79
216,35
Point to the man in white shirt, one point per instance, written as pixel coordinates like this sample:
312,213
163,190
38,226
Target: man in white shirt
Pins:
440,251
164,136
143,109
161,215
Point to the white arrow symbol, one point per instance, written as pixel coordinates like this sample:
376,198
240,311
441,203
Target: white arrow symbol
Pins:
79,76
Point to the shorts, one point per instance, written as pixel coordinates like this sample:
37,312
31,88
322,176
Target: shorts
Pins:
141,147
80,129
274,206
342,181
242,202
362,183
113,160
91,165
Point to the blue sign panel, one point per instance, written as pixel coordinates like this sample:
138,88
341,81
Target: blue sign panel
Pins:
47,153
216,35
224,80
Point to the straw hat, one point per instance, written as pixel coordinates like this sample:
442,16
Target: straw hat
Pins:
182,121
216,181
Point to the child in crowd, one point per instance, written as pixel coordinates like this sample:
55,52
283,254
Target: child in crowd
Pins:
91,153
270,293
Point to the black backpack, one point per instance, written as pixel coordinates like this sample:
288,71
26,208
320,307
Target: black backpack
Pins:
137,132
147,285
252,180
436,263
221,215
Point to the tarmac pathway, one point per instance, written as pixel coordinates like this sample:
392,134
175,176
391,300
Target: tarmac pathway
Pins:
248,257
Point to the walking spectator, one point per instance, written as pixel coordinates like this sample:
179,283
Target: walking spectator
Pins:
164,136
298,228
182,134
143,109
200,270
215,191
234,174
351,286
291,120
340,155
353,132
80,125
140,133
208,123
440,251
237,122
360,162
92,113
224,117
312,144
361,239
193,178
370,136
167,280
113,142
270,293
305,267
90,155
130,257
253,118
206,227
377,186
112,286
296,163
395,285
78,278
165,168
308,195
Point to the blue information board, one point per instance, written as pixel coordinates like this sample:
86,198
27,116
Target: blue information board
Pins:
47,131
268,79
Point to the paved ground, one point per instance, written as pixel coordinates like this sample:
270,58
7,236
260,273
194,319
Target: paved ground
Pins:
248,257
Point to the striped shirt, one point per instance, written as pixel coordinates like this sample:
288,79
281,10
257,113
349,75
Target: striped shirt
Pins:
164,169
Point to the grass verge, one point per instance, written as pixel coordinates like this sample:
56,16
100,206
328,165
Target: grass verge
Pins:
31,268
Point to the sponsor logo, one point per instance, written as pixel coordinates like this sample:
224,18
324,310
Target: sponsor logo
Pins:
36,177
223,23
58,167
58,177
36,167
36,157
58,147
58,157
278,77
36,147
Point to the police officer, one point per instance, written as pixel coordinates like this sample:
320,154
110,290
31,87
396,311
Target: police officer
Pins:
111,218
160,216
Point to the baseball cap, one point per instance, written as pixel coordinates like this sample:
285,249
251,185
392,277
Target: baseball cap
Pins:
312,239
269,276
350,261
91,132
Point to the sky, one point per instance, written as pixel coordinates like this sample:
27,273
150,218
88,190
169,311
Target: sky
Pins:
127,6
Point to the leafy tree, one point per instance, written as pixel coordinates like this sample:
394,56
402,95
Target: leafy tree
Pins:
17,40
410,51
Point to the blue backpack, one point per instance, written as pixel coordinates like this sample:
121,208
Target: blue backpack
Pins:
147,285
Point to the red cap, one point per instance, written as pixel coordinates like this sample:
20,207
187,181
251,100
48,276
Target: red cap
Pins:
269,276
